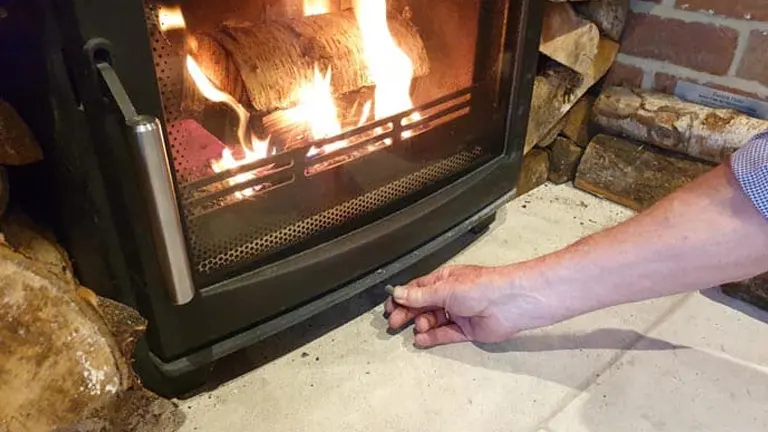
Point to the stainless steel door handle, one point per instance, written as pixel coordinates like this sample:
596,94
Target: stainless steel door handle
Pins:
146,136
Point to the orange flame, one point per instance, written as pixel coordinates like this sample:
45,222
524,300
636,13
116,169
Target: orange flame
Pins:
228,162
316,107
388,66
213,94
316,7
170,18
254,149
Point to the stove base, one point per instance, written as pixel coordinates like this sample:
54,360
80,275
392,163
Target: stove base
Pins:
187,373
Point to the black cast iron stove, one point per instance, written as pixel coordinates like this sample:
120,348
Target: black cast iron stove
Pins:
232,167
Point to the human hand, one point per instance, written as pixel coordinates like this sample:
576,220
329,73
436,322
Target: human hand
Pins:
468,303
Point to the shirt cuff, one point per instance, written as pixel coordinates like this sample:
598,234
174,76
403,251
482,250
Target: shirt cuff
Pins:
750,166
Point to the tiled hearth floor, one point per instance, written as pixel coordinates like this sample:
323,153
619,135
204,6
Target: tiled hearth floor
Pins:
689,363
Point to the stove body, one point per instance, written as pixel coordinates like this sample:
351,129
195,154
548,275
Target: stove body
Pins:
221,238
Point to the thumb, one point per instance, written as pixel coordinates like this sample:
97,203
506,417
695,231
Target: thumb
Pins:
423,297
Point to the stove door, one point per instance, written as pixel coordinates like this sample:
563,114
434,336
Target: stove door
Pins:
310,143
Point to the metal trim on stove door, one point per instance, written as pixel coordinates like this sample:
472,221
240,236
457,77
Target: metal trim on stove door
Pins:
146,136
168,235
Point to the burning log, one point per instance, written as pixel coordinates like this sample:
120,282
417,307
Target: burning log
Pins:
568,38
268,61
558,89
219,67
632,174
17,144
666,121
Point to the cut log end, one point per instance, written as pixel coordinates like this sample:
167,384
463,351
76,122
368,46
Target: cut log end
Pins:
37,244
569,38
753,291
564,160
609,15
77,346
632,174
576,125
534,171
52,336
558,88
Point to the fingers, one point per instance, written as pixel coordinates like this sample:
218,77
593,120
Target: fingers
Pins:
424,296
401,316
389,305
430,320
444,335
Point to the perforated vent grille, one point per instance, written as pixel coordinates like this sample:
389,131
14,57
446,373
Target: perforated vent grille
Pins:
212,255
168,53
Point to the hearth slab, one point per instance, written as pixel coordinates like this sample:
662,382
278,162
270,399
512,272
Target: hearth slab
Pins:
352,375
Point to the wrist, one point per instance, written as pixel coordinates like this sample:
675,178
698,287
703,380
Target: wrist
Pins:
562,290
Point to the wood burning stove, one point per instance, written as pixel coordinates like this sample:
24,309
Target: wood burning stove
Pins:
232,167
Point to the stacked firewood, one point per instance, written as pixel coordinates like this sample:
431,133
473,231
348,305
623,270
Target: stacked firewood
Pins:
579,43
629,146
65,353
651,144
648,145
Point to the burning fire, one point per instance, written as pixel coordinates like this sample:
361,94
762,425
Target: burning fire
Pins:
316,108
213,94
228,162
316,7
170,18
389,67
253,148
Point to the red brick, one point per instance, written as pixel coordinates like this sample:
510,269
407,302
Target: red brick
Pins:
754,64
699,46
625,75
756,10
665,83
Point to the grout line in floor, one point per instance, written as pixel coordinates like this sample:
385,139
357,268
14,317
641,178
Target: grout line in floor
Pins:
589,382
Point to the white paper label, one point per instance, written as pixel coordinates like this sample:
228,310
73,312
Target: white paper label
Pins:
719,99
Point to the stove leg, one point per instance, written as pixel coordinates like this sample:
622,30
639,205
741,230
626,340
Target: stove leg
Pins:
483,225
182,386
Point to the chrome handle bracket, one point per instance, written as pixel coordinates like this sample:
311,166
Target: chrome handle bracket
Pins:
146,136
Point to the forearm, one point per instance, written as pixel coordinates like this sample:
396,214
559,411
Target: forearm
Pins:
705,234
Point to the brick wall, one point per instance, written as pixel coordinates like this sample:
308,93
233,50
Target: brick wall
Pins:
718,43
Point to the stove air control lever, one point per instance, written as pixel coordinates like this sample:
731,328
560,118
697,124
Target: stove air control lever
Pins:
146,136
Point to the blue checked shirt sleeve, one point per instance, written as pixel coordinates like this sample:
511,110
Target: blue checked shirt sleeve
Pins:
750,166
